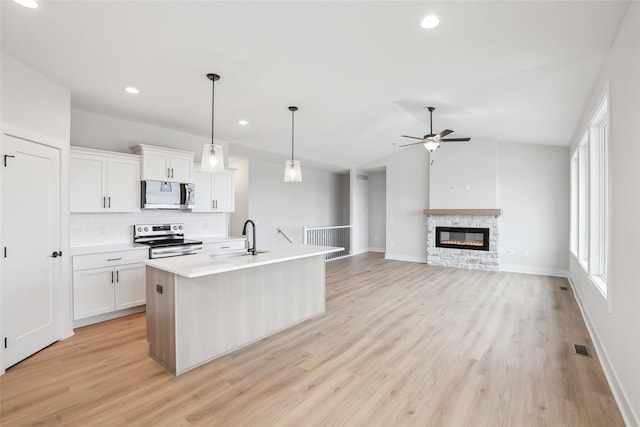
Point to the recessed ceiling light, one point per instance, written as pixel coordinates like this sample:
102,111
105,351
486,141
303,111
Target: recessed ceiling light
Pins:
131,89
31,4
243,122
430,21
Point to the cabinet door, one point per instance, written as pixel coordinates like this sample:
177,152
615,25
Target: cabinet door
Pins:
87,183
123,185
130,288
223,192
156,166
181,167
93,292
204,198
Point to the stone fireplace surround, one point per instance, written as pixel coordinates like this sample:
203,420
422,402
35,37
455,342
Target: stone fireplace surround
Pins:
463,258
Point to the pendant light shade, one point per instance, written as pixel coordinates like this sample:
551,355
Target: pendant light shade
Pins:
212,156
292,170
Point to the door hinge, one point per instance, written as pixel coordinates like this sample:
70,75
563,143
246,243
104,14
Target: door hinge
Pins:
5,342
5,251
5,159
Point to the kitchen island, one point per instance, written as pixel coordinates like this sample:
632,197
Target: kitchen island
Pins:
200,307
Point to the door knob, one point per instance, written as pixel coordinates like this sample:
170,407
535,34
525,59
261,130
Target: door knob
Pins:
56,254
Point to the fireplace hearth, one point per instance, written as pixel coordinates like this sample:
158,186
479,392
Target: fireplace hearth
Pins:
476,239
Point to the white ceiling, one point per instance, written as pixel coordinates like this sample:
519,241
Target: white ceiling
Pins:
361,73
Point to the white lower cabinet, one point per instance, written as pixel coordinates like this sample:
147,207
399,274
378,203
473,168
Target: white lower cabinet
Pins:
103,283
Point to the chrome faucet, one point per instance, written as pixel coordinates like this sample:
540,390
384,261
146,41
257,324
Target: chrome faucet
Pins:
252,250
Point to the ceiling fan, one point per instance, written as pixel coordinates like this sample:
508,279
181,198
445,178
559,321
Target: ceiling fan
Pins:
432,141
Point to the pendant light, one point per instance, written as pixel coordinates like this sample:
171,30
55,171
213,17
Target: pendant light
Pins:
292,171
212,157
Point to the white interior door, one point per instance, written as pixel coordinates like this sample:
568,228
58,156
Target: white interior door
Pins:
30,234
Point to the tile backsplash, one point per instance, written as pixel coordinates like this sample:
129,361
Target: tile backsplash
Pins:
89,229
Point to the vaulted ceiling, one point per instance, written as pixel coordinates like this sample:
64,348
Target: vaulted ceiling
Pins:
361,73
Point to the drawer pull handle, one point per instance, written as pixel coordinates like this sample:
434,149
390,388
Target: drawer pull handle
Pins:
225,247
114,259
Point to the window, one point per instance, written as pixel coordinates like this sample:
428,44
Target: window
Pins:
574,204
583,198
590,199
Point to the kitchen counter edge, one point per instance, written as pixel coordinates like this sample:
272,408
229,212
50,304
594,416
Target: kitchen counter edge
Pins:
199,265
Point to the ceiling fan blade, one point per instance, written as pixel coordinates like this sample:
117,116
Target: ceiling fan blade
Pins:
457,139
413,143
412,137
443,133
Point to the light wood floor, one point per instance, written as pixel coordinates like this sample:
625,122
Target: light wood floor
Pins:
400,344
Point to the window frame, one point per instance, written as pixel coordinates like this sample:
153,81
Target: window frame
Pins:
590,198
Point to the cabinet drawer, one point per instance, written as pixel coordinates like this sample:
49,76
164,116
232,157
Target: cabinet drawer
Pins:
228,245
109,259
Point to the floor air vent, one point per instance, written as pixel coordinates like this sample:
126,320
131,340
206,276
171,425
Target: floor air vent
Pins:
564,288
581,350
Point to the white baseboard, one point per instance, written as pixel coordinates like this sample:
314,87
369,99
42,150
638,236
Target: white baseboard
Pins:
630,418
377,250
108,316
534,270
408,258
359,251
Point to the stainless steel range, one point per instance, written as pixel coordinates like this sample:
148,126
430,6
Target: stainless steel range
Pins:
165,240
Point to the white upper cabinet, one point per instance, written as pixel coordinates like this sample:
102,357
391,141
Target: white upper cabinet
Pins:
165,164
102,181
214,191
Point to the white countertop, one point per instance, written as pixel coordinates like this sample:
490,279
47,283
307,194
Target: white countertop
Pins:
215,239
100,249
198,265
119,247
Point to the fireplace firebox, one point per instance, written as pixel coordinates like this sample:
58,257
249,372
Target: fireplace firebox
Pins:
476,239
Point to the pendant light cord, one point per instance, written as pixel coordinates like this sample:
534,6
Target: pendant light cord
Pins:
213,97
292,127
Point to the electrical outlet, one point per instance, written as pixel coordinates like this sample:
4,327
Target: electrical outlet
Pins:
103,230
525,252
467,187
453,187
375,238
511,251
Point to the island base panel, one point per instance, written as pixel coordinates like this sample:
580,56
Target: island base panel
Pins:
161,317
219,313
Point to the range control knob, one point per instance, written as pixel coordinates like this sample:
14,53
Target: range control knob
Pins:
146,229
175,227
180,227
139,228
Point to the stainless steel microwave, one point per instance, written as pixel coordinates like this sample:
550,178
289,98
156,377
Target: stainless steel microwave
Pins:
167,195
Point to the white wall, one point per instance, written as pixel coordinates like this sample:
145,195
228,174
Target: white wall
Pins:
34,102
377,211
614,323
464,176
407,197
359,191
533,189
114,134
272,203
35,107
241,190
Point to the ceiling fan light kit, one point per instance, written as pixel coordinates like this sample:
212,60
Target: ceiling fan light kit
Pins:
432,145
432,141
212,156
292,170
